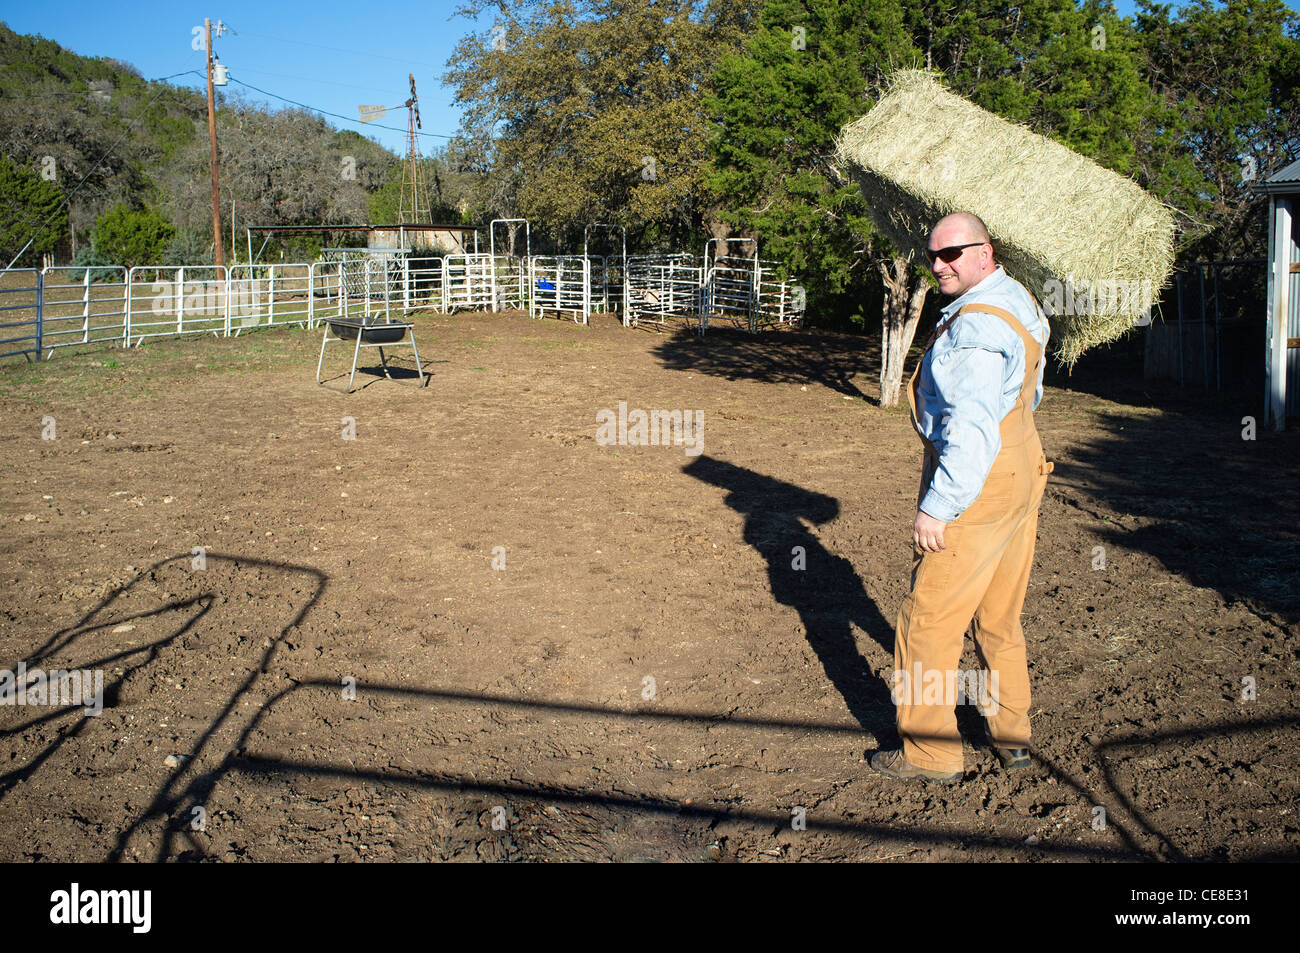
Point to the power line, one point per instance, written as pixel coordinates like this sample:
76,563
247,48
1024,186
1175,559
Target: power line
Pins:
324,112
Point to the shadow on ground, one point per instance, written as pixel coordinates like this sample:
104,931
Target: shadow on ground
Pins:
822,587
842,362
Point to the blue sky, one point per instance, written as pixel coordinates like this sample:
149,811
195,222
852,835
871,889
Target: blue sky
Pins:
326,54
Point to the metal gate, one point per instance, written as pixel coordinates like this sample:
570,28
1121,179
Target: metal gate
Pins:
562,285
730,293
483,283
658,289
468,283
162,302
83,306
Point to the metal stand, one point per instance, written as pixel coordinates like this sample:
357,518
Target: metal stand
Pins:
369,335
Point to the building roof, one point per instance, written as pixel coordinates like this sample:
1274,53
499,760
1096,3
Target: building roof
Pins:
1286,180
360,228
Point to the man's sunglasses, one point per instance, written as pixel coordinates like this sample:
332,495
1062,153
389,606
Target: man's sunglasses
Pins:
951,253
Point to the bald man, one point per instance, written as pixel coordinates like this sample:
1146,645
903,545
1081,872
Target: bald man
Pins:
972,399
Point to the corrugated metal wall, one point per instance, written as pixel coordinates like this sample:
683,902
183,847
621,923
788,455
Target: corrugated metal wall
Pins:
1293,321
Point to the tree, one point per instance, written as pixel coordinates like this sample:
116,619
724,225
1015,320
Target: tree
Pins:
594,107
76,109
126,141
30,208
1069,72
190,247
779,105
283,168
906,289
453,183
807,70
132,237
1226,78
86,258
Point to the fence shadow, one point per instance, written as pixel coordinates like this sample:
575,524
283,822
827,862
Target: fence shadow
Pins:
241,759
192,610
850,364
218,754
1227,509
74,718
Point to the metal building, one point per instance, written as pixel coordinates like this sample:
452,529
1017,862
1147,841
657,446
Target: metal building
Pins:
1282,330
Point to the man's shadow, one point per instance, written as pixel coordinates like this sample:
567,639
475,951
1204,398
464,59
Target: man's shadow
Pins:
822,587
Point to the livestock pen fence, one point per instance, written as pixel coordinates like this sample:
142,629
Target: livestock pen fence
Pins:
1210,329
705,292
43,310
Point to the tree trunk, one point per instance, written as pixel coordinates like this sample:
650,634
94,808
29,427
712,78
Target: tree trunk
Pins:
904,300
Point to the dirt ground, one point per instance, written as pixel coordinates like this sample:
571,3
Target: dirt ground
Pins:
311,651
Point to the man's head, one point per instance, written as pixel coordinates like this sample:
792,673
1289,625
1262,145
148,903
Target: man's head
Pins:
960,254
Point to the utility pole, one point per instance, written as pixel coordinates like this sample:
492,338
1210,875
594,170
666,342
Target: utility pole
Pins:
212,137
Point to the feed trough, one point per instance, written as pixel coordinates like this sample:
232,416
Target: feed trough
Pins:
387,333
363,333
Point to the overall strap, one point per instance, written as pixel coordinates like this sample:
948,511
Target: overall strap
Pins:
1024,399
1032,347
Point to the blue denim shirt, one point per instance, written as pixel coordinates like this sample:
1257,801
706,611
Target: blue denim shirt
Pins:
968,382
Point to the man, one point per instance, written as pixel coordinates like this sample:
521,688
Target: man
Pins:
972,398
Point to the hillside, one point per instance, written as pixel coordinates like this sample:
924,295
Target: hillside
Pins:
61,112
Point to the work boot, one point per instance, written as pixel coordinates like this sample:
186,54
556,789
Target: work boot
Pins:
892,764
1013,759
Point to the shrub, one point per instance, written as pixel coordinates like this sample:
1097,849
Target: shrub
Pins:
88,256
132,237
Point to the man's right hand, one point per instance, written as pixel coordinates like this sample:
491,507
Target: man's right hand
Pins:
927,533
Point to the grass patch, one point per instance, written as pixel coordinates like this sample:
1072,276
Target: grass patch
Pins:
103,370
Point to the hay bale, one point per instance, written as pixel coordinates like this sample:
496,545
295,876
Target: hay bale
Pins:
1093,246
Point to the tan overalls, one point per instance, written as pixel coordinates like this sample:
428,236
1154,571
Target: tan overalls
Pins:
981,575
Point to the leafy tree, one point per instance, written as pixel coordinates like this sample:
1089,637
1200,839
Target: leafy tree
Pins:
1227,83
451,188
132,237
29,209
593,108
190,247
1070,72
284,167
809,68
75,109
778,107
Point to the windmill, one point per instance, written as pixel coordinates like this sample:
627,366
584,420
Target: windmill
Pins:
413,207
